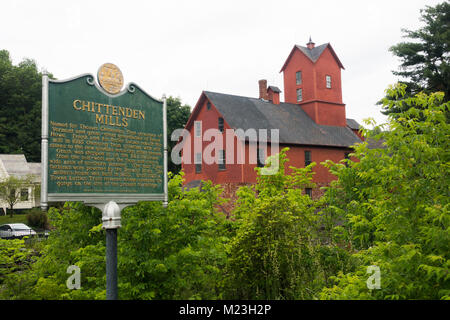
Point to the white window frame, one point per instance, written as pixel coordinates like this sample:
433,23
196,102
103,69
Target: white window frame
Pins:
328,81
299,90
198,162
198,129
24,194
198,158
298,80
221,159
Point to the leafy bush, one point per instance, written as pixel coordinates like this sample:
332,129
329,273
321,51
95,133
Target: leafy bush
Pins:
176,252
37,218
395,205
276,253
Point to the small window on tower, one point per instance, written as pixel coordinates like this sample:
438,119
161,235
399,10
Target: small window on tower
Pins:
299,95
298,77
208,105
328,80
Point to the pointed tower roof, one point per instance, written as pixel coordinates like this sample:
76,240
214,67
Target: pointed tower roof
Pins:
313,53
310,44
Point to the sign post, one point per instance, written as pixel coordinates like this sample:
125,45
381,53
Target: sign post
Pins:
103,146
111,222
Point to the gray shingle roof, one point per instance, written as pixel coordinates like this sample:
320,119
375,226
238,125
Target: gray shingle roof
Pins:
274,89
313,53
353,124
295,126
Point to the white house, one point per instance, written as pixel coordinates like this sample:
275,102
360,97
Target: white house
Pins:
16,165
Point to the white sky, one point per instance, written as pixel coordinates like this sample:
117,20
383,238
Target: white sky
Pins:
183,47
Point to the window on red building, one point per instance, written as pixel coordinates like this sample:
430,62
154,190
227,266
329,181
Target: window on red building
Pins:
299,95
298,77
308,191
198,128
220,124
198,162
328,80
347,157
307,158
221,160
261,158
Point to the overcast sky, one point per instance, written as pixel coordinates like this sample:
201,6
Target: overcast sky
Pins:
183,47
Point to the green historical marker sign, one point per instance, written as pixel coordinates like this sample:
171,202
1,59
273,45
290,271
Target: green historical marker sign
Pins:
101,144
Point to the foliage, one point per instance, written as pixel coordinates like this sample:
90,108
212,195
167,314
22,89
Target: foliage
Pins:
46,278
37,218
10,189
177,117
276,253
13,256
394,203
425,63
20,108
174,253
163,253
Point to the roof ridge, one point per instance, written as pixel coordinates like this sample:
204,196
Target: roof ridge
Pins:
235,95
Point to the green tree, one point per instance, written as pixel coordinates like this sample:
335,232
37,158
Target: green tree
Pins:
177,252
425,60
177,117
10,189
394,205
20,107
276,252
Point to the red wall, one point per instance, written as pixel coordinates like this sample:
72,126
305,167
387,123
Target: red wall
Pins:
296,156
233,173
327,65
323,105
245,173
331,114
298,62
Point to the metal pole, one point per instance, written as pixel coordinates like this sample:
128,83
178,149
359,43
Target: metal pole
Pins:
166,192
111,264
111,222
44,142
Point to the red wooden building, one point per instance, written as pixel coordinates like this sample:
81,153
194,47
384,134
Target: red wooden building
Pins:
311,122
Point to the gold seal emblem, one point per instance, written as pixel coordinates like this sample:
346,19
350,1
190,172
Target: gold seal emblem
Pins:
110,78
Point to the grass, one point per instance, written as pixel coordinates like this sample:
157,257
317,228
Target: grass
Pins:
16,218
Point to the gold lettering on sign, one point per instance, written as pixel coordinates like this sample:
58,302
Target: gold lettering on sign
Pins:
104,158
106,114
